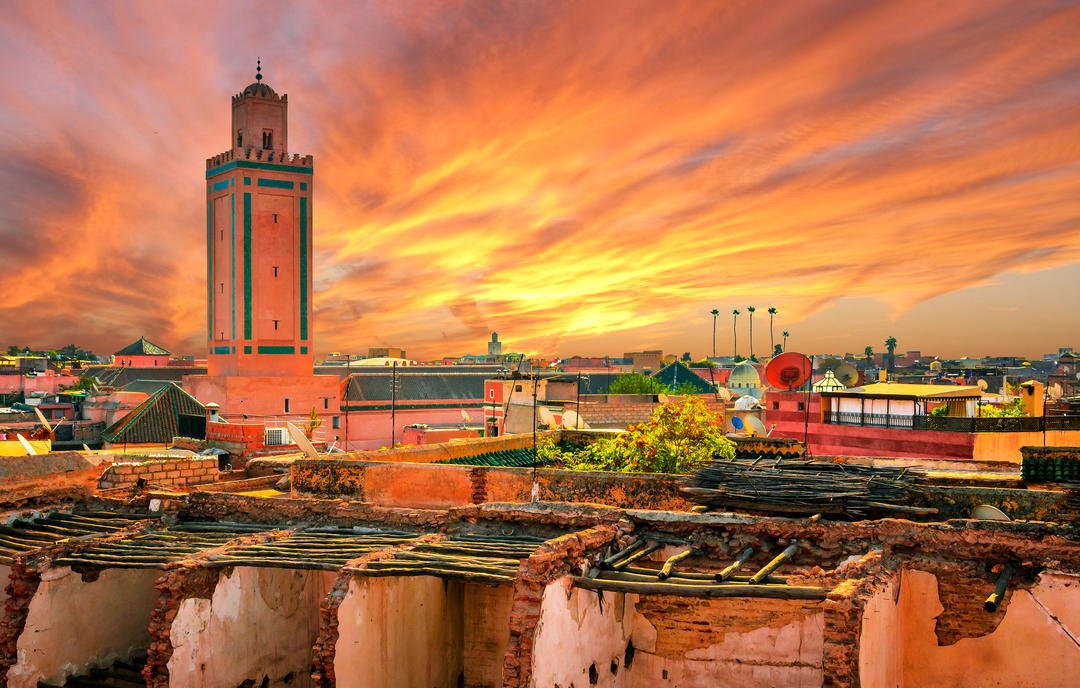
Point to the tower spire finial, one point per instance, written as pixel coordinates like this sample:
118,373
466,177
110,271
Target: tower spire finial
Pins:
258,69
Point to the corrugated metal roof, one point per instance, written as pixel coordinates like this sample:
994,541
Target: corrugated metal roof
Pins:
156,420
677,374
507,458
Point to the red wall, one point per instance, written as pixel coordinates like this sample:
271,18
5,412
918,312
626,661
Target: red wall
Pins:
852,440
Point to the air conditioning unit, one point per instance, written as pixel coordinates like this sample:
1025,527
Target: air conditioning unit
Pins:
273,437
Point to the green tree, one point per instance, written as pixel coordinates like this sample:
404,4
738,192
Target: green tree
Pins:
750,310
13,350
636,383
785,334
772,314
890,344
679,438
715,313
735,331
869,353
684,388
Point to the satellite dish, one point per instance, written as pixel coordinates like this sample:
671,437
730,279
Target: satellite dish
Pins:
571,419
465,417
27,447
1055,392
302,441
985,512
847,374
41,417
736,423
755,426
983,384
547,417
788,370
745,403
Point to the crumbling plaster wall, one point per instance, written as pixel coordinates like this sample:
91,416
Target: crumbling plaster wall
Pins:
399,632
73,625
686,642
422,632
1036,642
5,576
260,622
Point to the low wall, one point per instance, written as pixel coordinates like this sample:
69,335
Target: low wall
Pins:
163,472
441,486
1005,446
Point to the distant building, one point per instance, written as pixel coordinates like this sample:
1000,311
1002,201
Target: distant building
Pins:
646,360
385,352
494,346
142,354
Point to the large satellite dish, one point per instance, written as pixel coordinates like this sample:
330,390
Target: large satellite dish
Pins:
847,374
756,427
983,384
736,423
788,370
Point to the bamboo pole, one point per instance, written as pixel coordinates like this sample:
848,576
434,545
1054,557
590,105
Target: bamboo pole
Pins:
641,554
775,563
740,561
995,598
627,551
783,592
666,569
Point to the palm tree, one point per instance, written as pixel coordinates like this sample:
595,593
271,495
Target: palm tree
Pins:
750,310
735,331
890,344
715,313
785,334
869,352
772,314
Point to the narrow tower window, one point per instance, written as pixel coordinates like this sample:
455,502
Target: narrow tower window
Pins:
222,232
286,406
240,138
275,323
268,139
275,218
221,287
275,271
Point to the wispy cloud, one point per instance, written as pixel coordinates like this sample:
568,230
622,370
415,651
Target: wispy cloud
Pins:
569,174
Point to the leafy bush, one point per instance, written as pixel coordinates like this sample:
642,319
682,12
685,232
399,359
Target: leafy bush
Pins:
636,383
680,438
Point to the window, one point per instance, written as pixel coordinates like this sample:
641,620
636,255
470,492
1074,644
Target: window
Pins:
335,422
275,218
275,271
326,402
776,406
491,394
802,406
275,324
517,388
221,232
221,287
240,138
286,406
268,139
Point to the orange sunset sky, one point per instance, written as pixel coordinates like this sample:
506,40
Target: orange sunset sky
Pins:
584,177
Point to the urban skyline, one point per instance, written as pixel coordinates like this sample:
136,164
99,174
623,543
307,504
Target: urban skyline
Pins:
585,179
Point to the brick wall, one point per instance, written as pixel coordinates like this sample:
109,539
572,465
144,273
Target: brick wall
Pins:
621,415
161,472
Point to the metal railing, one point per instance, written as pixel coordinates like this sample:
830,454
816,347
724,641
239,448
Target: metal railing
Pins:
953,423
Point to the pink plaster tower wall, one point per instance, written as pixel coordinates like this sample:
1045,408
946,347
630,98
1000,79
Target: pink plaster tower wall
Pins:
259,268
259,244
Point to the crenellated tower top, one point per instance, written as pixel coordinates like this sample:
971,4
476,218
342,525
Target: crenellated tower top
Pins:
260,117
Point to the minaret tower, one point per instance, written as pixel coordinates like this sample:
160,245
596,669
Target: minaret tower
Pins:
258,244
259,270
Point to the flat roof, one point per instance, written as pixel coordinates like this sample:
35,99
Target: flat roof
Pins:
908,391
